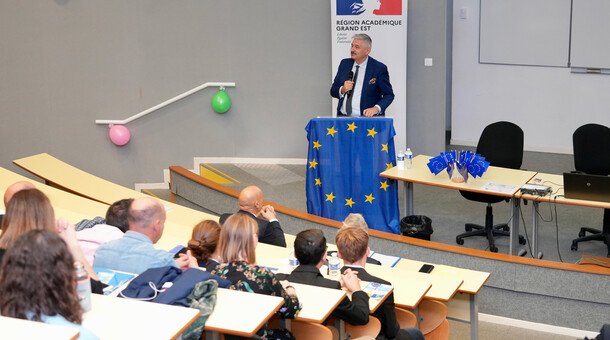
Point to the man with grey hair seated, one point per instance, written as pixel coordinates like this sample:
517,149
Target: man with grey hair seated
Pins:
134,252
357,221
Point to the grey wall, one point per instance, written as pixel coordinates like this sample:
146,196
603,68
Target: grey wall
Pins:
426,91
548,103
66,63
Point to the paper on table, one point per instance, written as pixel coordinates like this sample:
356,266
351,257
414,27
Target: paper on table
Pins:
377,290
114,279
501,188
386,260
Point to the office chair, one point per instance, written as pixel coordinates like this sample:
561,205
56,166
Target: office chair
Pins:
592,156
501,144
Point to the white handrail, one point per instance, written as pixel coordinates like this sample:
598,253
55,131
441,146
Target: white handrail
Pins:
165,103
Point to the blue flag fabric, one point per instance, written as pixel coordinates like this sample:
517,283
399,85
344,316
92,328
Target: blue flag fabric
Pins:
345,158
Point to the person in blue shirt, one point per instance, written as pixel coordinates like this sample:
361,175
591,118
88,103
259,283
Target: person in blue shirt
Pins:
134,252
37,282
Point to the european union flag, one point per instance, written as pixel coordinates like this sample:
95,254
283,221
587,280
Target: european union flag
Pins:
345,158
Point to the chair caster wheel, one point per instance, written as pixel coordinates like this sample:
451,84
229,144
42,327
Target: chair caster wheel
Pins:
459,240
521,240
468,229
581,234
493,249
574,246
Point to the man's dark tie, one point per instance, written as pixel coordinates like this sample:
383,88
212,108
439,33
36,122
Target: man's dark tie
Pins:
348,105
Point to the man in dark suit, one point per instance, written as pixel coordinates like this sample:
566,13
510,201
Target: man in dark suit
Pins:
353,248
310,250
251,203
368,92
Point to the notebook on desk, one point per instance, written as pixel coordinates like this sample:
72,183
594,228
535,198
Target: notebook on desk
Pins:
586,187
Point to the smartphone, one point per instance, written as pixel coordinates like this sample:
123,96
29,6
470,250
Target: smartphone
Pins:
178,252
426,268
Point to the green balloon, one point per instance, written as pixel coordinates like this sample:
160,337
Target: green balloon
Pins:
221,102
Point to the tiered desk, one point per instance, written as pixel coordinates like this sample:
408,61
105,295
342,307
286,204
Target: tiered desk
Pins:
410,286
25,329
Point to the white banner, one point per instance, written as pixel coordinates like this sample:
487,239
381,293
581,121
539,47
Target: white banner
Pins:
385,21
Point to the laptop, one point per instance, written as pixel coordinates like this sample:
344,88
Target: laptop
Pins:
586,187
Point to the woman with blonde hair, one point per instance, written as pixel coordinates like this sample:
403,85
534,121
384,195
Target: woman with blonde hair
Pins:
203,243
30,209
237,245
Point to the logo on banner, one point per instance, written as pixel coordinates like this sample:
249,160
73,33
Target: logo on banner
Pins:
377,7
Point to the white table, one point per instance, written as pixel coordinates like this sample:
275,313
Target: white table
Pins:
25,329
118,318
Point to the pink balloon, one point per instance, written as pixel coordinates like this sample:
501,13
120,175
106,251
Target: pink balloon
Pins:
119,135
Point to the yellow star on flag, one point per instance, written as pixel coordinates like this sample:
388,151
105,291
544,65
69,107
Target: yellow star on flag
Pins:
372,132
317,145
313,164
349,202
384,147
331,131
388,166
330,197
384,185
352,127
318,182
369,198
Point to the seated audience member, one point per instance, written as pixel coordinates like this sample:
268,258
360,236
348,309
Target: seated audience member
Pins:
251,204
12,189
353,248
134,252
236,246
203,243
310,250
37,282
357,220
114,227
30,209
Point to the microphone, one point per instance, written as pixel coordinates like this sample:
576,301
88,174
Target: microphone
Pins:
350,76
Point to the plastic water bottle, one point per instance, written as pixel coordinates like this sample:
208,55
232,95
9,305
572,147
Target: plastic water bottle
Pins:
83,286
292,261
284,266
334,264
409,158
400,160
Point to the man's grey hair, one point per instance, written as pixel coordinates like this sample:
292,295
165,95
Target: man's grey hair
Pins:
356,221
364,37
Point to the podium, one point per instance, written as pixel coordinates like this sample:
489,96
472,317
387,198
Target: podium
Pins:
345,158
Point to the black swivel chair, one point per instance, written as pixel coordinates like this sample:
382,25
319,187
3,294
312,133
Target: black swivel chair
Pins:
592,156
501,144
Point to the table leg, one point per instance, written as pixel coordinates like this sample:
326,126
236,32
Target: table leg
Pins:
514,225
212,335
340,325
474,317
535,229
408,186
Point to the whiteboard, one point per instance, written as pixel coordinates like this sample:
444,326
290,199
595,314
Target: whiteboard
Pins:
590,34
525,32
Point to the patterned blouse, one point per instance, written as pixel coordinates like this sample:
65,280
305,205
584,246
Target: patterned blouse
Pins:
255,279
